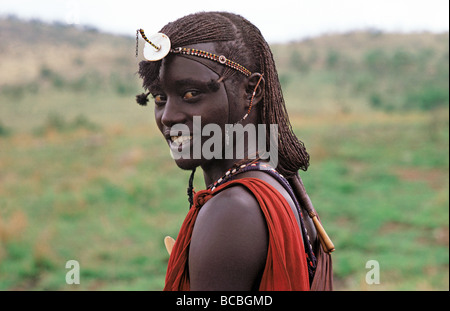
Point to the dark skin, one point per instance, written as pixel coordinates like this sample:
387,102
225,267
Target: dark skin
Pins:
230,238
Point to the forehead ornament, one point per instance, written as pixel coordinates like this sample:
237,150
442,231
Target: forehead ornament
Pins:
158,46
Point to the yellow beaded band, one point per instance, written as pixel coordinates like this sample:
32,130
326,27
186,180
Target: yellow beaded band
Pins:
141,31
220,59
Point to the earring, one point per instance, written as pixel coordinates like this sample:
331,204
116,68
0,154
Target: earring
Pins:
253,97
227,136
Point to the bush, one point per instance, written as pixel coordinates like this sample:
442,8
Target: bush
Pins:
332,59
402,60
123,85
81,121
56,80
375,100
297,62
58,123
427,98
376,61
4,131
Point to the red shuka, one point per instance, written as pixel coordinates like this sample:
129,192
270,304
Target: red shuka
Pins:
286,267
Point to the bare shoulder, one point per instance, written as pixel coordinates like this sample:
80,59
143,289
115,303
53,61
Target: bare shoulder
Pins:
229,242
233,203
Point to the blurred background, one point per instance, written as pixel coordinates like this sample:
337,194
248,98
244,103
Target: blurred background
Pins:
85,175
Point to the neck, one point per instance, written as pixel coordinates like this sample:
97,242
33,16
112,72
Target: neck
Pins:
213,171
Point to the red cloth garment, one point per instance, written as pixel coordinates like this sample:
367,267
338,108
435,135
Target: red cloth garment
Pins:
286,266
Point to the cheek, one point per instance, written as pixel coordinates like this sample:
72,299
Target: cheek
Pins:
217,110
158,116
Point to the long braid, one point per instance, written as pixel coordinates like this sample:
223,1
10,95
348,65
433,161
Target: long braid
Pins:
292,152
190,189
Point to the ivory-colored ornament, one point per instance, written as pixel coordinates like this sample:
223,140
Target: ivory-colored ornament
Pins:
169,242
162,42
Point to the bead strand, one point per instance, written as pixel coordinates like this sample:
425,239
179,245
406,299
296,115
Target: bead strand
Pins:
220,59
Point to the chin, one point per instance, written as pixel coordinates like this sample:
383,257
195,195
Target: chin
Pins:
187,164
184,157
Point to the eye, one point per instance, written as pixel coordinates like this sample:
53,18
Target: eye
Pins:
159,99
189,95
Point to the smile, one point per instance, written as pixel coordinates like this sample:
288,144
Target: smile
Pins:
207,141
179,140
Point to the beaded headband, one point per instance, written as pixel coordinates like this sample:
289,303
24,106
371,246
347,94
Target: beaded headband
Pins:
159,46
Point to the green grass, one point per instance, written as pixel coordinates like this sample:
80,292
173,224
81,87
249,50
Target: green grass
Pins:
106,195
382,191
98,204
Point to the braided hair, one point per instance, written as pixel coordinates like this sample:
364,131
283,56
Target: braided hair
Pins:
240,40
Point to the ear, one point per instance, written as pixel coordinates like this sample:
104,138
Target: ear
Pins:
255,88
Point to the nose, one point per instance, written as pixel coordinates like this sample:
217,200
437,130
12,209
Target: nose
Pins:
172,114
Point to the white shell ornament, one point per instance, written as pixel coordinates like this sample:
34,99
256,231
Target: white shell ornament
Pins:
159,48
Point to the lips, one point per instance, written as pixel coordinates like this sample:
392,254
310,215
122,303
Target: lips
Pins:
179,140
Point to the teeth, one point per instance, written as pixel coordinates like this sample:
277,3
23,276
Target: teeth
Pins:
180,139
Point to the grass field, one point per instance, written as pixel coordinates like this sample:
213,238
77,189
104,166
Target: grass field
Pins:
85,175
107,195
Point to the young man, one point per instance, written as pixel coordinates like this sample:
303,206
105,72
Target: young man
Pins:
217,101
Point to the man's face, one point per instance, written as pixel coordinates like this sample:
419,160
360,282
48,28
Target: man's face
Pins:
187,88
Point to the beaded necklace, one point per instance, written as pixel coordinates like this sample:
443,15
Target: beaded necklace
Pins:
230,173
257,165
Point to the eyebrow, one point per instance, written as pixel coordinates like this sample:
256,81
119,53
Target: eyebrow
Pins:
155,87
210,86
206,87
